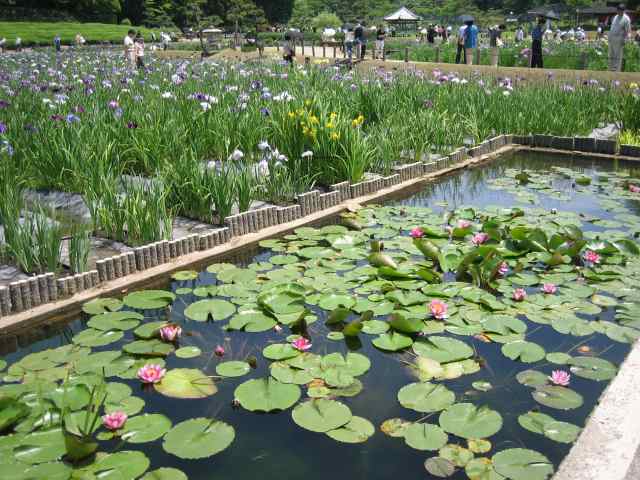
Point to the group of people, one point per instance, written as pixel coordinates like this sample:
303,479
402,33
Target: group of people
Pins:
134,49
434,33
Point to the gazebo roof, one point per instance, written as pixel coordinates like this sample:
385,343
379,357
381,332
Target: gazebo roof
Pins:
402,15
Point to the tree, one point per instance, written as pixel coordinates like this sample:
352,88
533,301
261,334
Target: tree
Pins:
186,13
157,13
326,20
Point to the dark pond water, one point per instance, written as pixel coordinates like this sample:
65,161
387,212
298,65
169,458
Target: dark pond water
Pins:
272,447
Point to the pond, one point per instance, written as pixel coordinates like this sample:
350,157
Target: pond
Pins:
474,381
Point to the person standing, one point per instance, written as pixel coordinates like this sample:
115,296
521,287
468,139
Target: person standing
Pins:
431,34
18,44
460,50
519,35
139,51
536,43
380,34
57,43
287,49
3,42
470,41
495,43
361,40
129,48
618,34
349,38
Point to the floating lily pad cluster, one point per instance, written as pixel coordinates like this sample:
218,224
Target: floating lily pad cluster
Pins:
424,289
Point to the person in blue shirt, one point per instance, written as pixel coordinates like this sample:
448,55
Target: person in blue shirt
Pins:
536,43
470,41
57,43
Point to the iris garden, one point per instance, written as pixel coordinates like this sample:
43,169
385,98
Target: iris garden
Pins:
464,331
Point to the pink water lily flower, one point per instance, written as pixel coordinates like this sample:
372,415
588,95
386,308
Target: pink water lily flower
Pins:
438,309
519,294
151,373
634,188
170,333
479,238
301,344
560,377
503,269
464,223
114,420
416,233
219,351
549,288
591,257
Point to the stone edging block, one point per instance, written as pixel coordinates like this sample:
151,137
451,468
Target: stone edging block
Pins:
562,143
630,150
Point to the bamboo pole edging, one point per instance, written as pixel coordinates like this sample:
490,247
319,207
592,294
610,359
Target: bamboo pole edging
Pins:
18,298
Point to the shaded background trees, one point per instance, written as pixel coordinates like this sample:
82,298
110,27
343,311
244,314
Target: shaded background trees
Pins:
261,13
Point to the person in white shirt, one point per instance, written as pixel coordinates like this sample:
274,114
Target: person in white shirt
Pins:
618,33
519,35
129,48
3,42
18,44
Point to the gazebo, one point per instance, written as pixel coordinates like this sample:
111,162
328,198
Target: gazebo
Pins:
403,20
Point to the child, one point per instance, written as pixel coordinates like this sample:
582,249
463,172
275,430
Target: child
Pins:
139,51
287,49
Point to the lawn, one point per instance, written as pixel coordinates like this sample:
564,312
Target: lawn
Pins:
42,33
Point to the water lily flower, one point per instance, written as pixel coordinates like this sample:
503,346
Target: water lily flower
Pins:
114,420
464,223
170,333
219,350
634,188
151,373
301,344
560,377
479,238
503,269
416,232
278,328
549,288
519,294
438,309
591,257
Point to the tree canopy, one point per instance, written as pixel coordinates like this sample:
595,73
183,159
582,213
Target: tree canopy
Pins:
260,13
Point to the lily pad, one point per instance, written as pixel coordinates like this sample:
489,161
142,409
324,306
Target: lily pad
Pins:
442,349
102,305
188,352
527,352
425,436
149,299
97,338
150,348
145,428
266,395
233,368
392,342
425,397
120,465
522,464
357,430
456,454
558,397
198,438
186,383
468,421
280,351
532,378
321,415
184,275
115,321
203,310
593,368
439,467
165,474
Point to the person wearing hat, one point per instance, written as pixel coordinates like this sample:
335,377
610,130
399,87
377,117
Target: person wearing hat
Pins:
618,33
